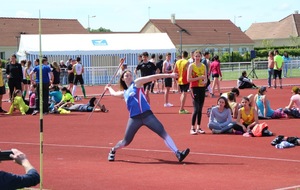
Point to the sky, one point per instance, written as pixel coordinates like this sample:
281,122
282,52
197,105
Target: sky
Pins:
132,15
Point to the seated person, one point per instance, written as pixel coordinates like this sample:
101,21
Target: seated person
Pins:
234,90
247,117
67,99
233,105
19,104
220,117
245,82
88,107
263,106
293,109
55,96
32,95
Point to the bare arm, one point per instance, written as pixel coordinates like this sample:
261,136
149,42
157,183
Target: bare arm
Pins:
238,120
113,92
142,80
290,104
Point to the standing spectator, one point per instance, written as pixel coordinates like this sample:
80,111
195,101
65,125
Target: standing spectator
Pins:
27,81
63,72
206,62
278,63
159,66
154,62
13,181
191,59
270,67
56,73
215,69
71,74
287,61
147,68
167,68
78,71
69,62
2,89
14,75
220,120
46,72
181,68
24,81
197,77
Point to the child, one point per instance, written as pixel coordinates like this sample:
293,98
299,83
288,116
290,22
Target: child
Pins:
18,103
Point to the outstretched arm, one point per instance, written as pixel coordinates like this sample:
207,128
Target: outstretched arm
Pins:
113,92
142,80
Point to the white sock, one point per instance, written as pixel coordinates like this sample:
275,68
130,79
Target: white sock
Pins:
74,90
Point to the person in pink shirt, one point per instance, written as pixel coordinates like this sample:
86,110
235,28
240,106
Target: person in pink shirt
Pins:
293,109
215,70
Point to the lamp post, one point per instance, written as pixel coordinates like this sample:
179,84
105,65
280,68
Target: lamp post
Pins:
180,31
235,17
229,46
89,21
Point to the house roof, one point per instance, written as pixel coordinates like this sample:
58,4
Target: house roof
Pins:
286,27
11,28
201,31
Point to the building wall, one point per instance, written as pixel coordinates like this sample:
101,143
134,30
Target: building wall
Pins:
6,52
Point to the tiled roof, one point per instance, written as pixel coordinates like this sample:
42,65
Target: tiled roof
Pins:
11,28
288,26
201,31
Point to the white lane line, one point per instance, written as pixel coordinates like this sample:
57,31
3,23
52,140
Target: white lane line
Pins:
163,151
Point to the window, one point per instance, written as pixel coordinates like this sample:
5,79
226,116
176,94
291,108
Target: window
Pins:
243,50
2,55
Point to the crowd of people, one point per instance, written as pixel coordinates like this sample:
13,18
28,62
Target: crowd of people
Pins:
25,77
197,76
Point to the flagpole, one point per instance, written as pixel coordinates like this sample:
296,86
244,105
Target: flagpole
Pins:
41,104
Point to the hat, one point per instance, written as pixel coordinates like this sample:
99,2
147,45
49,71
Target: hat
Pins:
295,89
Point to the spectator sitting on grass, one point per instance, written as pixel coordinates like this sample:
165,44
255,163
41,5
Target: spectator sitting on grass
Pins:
245,82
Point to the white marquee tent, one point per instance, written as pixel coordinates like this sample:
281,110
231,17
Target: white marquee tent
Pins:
89,45
100,53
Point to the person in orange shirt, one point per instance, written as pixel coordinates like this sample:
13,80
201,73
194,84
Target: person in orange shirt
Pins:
181,68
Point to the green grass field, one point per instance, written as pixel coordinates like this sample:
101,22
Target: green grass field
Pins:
261,74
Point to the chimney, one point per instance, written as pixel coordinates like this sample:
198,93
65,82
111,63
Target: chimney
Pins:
173,18
296,12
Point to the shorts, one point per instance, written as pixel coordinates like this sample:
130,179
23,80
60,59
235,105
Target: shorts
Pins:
2,90
184,87
168,82
78,78
25,81
71,79
215,75
147,86
277,73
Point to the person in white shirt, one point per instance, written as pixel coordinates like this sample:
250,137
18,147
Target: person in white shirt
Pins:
78,71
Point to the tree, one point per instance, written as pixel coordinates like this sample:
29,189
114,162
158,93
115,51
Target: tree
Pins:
295,40
101,29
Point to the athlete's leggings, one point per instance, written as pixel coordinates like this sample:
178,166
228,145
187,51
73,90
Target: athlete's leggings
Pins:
149,120
198,95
